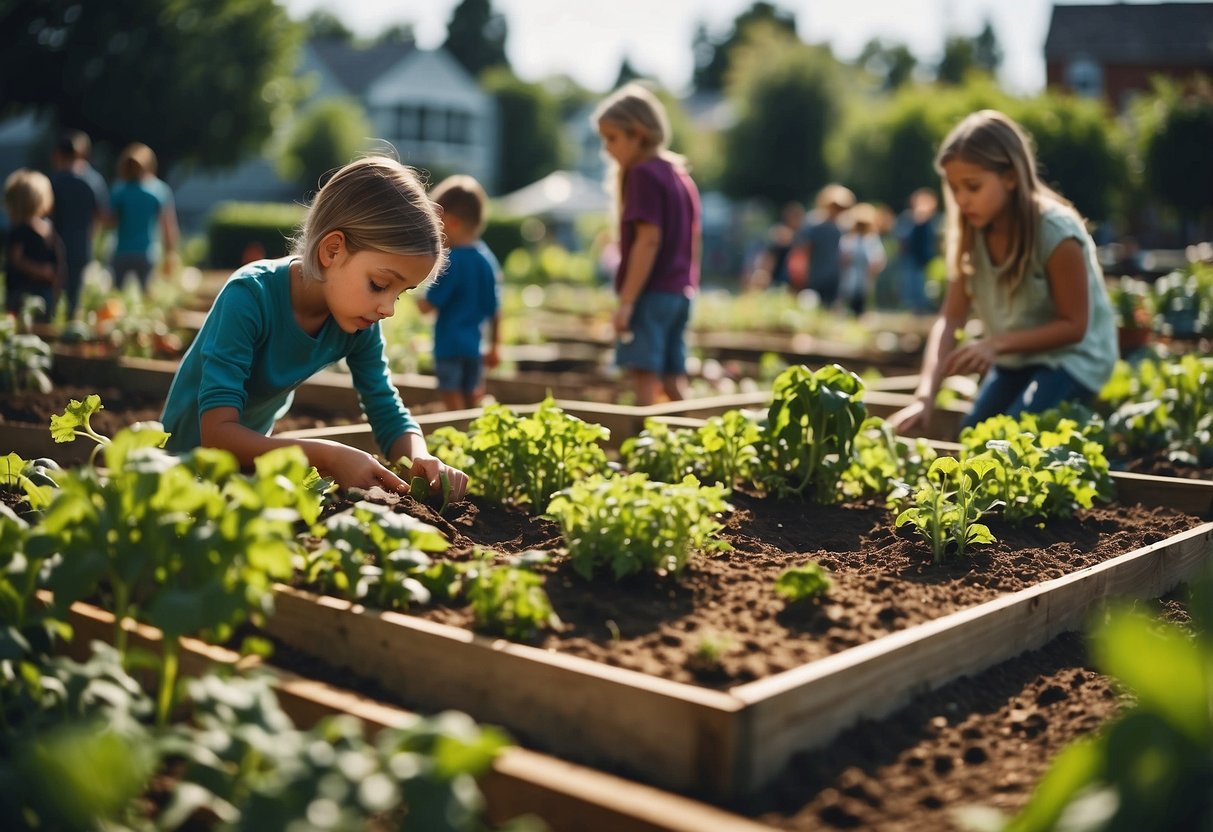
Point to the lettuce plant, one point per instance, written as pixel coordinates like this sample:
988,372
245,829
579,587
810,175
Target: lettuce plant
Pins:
25,360
802,582
631,524
884,461
809,436
33,479
948,506
509,599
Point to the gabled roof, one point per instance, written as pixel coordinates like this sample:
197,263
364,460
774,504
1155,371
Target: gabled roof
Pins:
1166,34
356,68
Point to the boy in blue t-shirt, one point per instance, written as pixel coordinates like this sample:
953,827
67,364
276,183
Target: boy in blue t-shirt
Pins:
465,296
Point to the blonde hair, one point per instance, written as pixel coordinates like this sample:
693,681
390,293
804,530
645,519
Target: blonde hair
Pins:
635,110
462,196
993,141
379,205
28,194
838,197
136,161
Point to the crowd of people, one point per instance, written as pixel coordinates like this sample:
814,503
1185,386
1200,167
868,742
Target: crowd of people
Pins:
1018,256
838,251
54,222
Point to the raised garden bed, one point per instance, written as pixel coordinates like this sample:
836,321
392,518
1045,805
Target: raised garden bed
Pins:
793,678
568,797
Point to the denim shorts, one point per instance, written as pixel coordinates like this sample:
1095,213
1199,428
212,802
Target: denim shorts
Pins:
461,373
1031,389
658,335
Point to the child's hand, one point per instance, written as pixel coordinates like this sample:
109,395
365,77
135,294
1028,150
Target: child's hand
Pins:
431,468
622,319
972,357
913,418
492,358
353,468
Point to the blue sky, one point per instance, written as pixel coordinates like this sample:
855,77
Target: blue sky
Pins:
587,39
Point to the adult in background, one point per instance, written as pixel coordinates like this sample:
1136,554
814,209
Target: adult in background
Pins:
81,203
141,204
820,238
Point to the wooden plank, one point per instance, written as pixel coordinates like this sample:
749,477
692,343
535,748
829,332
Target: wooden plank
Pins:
805,707
569,797
32,442
678,736
1193,497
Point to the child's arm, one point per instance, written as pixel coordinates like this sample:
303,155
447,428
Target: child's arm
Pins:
640,263
170,231
940,344
493,356
424,305
1066,270
350,467
46,272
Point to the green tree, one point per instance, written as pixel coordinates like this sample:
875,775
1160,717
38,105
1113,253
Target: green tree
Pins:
1079,150
889,149
476,36
987,53
892,63
712,58
1177,138
787,99
328,134
959,57
198,85
529,128
322,24
627,73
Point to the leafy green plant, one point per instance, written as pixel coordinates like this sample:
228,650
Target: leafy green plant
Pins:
374,555
1049,466
803,582
25,360
189,545
810,431
884,461
723,450
947,507
33,479
631,524
524,460
509,600
1162,406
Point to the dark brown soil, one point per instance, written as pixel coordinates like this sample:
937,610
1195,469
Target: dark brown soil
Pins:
883,581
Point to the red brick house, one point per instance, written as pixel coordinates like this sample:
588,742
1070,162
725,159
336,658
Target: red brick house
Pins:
1112,51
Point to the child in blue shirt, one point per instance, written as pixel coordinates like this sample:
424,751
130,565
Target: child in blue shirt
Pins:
370,236
465,296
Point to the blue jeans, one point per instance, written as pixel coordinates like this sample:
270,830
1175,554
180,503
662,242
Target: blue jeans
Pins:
1031,389
658,330
461,373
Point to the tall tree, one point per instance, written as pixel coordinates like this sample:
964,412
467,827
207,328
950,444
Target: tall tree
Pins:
987,53
476,36
787,98
198,86
1178,164
627,73
529,128
324,25
892,63
959,56
712,57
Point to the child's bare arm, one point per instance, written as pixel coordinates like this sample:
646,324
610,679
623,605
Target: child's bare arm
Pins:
349,467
